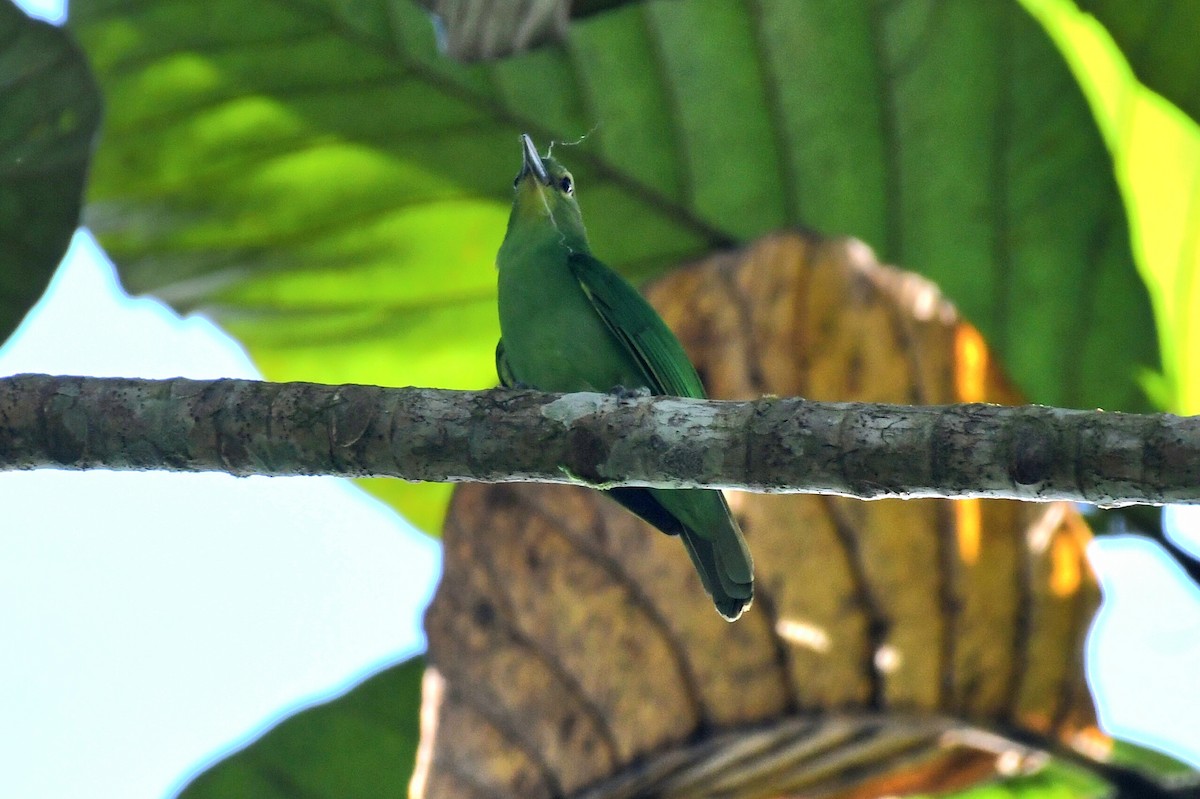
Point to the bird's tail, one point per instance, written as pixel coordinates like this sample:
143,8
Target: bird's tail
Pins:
714,542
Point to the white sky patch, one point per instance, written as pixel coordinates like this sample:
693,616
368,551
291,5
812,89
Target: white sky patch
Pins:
1144,647
50,10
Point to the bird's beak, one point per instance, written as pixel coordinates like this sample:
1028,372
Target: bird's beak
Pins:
532,161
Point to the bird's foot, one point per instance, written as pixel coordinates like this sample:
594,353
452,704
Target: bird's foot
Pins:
621,392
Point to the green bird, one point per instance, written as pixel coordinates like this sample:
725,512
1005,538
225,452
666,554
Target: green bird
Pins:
569,323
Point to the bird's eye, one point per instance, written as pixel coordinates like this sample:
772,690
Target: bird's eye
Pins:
565,183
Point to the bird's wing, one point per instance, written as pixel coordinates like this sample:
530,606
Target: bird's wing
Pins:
701,518
639,329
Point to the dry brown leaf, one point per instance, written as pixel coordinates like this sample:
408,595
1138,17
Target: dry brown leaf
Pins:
481,30
574,652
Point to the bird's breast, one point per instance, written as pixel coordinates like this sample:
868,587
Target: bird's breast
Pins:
553,337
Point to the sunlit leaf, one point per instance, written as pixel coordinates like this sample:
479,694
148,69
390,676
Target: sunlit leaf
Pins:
1158,37
1156,149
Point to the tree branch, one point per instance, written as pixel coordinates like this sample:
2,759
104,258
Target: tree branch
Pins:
768,445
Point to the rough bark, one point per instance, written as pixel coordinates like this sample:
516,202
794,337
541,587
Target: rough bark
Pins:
771,445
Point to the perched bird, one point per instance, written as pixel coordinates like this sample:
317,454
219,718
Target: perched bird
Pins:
569,323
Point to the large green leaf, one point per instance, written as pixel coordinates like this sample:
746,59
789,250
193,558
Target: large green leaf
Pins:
315,176
49,112
362,744
1159,39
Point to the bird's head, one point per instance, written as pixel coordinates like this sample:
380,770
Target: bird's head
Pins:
544,192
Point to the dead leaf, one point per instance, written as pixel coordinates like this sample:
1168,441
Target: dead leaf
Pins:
481,30
574,651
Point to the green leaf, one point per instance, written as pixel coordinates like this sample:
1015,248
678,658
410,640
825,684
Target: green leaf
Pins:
49,113
1055,781
1061,780
1159,39
330,189
361,744
1156,150
1164,769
